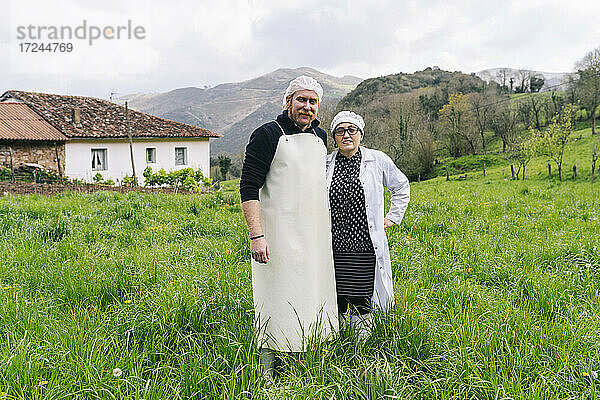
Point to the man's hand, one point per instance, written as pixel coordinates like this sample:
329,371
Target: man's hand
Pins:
387,223
259,250
258,247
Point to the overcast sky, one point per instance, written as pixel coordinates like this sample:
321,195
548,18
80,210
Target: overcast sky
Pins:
198,43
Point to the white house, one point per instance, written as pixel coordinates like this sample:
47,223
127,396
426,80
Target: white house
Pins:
112,158
97,133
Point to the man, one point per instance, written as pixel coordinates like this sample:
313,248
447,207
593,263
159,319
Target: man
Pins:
284,201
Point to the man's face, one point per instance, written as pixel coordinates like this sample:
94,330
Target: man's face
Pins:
303,107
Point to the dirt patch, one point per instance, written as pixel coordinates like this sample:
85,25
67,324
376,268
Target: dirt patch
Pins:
21,188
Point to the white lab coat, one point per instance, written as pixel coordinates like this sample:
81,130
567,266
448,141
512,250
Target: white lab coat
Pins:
376,171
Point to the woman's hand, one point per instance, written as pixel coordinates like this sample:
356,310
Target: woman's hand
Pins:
259,250
387,223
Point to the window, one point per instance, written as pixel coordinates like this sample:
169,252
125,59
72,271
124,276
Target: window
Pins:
99,160
180,155
150,155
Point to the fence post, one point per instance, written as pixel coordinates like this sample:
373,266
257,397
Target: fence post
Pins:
574,171
35,181
549,170
447,174
484,168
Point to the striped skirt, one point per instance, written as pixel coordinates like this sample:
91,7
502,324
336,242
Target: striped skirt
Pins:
354,278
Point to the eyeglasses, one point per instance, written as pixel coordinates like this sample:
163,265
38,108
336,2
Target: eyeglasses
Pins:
352,130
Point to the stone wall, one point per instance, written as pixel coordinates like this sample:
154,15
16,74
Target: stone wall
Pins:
43,153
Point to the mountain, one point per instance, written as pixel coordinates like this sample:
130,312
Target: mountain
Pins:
552,80
235,109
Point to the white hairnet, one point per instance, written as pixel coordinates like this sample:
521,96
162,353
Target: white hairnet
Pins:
302,82
349,117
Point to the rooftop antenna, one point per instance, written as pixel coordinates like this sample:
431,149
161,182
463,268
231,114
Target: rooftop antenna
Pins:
112,95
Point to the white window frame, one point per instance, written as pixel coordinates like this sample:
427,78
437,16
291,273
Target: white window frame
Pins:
185,156
105,159
153,152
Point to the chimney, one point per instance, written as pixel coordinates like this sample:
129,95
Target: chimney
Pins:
76,117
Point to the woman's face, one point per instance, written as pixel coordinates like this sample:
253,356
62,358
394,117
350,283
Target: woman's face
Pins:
347,143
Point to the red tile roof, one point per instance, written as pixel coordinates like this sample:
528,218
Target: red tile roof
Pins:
103,119
19,122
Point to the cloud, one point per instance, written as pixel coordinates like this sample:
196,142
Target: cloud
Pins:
198,43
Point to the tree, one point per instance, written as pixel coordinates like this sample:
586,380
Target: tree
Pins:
558,101
392,122
553,140
522,151
480,104
234,171
533,108
431,101
224,164
503,122
587,86
423,150
398,125
523,79
536,83
458,124
538,106
503,76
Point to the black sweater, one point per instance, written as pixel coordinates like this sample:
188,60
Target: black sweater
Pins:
260,151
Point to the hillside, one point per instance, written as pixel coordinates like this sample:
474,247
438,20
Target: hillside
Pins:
235,109
401,113
374,88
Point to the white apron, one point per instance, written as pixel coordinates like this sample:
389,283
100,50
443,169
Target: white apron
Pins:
294,293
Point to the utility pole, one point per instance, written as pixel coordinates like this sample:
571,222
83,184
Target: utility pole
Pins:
12,170
130,143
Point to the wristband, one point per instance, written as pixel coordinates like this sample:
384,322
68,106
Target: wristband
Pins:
257,237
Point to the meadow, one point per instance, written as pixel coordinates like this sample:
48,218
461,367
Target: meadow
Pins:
148,296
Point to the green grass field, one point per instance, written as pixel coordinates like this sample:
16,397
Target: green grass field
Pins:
497,296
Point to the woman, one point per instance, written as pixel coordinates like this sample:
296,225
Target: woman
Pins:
356,177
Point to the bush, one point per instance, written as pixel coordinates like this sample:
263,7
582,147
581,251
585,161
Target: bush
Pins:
127,181
31,175
187,178
48,176
4,173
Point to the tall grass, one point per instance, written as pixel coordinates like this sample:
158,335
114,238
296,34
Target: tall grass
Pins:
496,285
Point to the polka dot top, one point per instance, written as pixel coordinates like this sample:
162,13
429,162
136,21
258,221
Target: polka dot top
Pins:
350,229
